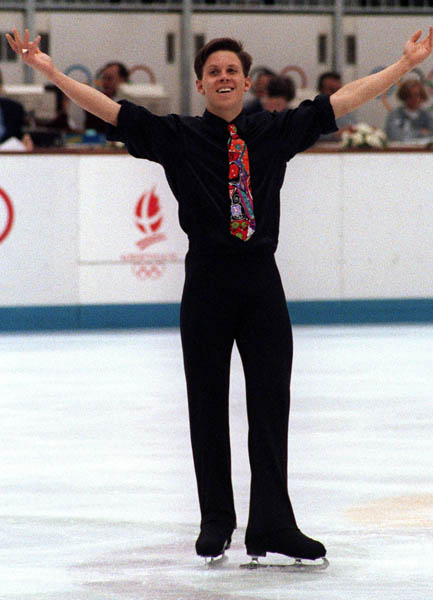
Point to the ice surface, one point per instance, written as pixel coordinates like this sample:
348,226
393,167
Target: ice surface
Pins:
98,498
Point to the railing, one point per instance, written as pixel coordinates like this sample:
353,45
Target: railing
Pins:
305,6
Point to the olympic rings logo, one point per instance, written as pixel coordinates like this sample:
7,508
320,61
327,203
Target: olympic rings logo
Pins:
297,70
96,80
150,271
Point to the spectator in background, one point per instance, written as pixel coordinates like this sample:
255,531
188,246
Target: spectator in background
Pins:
410,121
329,83
258,88
62,121
280,91
111,76
12,119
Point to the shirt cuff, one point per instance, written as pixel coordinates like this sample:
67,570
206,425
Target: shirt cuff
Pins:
115,132
325,113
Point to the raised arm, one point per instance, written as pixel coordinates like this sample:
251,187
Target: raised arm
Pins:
85,96
359,92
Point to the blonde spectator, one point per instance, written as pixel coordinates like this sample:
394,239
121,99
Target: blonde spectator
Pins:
410,121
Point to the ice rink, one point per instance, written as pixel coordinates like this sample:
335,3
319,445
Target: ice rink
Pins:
98,497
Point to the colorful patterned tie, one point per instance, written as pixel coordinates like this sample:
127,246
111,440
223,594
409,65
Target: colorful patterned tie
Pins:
242,221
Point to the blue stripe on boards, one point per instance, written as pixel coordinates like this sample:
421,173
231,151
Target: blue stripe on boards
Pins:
137,316
358,312
39,318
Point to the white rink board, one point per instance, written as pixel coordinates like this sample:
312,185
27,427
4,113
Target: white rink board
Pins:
118,261
38,259
387,225
309,249
120,283
109,190
355,225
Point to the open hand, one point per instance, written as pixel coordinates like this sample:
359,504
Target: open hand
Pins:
417,51
30,53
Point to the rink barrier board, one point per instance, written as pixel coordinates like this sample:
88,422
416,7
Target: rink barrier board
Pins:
142,316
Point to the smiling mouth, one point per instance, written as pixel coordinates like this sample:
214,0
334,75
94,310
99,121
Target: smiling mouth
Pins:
224,90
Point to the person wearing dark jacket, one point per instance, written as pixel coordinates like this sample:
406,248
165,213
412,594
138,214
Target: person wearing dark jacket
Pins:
12,117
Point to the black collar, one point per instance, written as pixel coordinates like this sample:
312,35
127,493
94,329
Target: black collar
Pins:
221,124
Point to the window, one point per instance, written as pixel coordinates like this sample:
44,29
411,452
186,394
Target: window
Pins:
8,55
6,52
45,43
199,42
351,50
322,48
170,48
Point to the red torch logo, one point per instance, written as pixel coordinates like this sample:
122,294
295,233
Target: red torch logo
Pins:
149,219
6,215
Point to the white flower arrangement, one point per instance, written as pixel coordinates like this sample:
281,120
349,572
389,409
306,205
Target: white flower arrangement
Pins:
364,136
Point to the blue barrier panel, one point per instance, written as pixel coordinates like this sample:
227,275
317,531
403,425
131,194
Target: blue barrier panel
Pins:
138,316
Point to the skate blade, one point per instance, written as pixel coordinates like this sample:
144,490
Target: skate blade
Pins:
293,567
216,561
213,562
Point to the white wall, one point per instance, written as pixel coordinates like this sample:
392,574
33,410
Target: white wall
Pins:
353,225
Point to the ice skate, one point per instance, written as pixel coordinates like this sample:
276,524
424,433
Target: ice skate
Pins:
212,544
306,554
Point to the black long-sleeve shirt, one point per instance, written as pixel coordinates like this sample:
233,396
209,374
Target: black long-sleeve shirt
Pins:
193,152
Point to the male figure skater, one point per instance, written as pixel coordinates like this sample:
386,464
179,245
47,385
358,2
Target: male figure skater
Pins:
226,170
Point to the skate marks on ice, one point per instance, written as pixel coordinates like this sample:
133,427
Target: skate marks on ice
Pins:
85,516
168,569
164,571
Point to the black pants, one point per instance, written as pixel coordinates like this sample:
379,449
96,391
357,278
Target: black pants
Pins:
227,299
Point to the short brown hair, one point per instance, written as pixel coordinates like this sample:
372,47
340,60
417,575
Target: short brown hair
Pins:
406,86
280,86
222,44
327,75
121,69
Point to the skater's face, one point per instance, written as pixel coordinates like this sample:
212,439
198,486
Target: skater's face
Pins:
223,84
